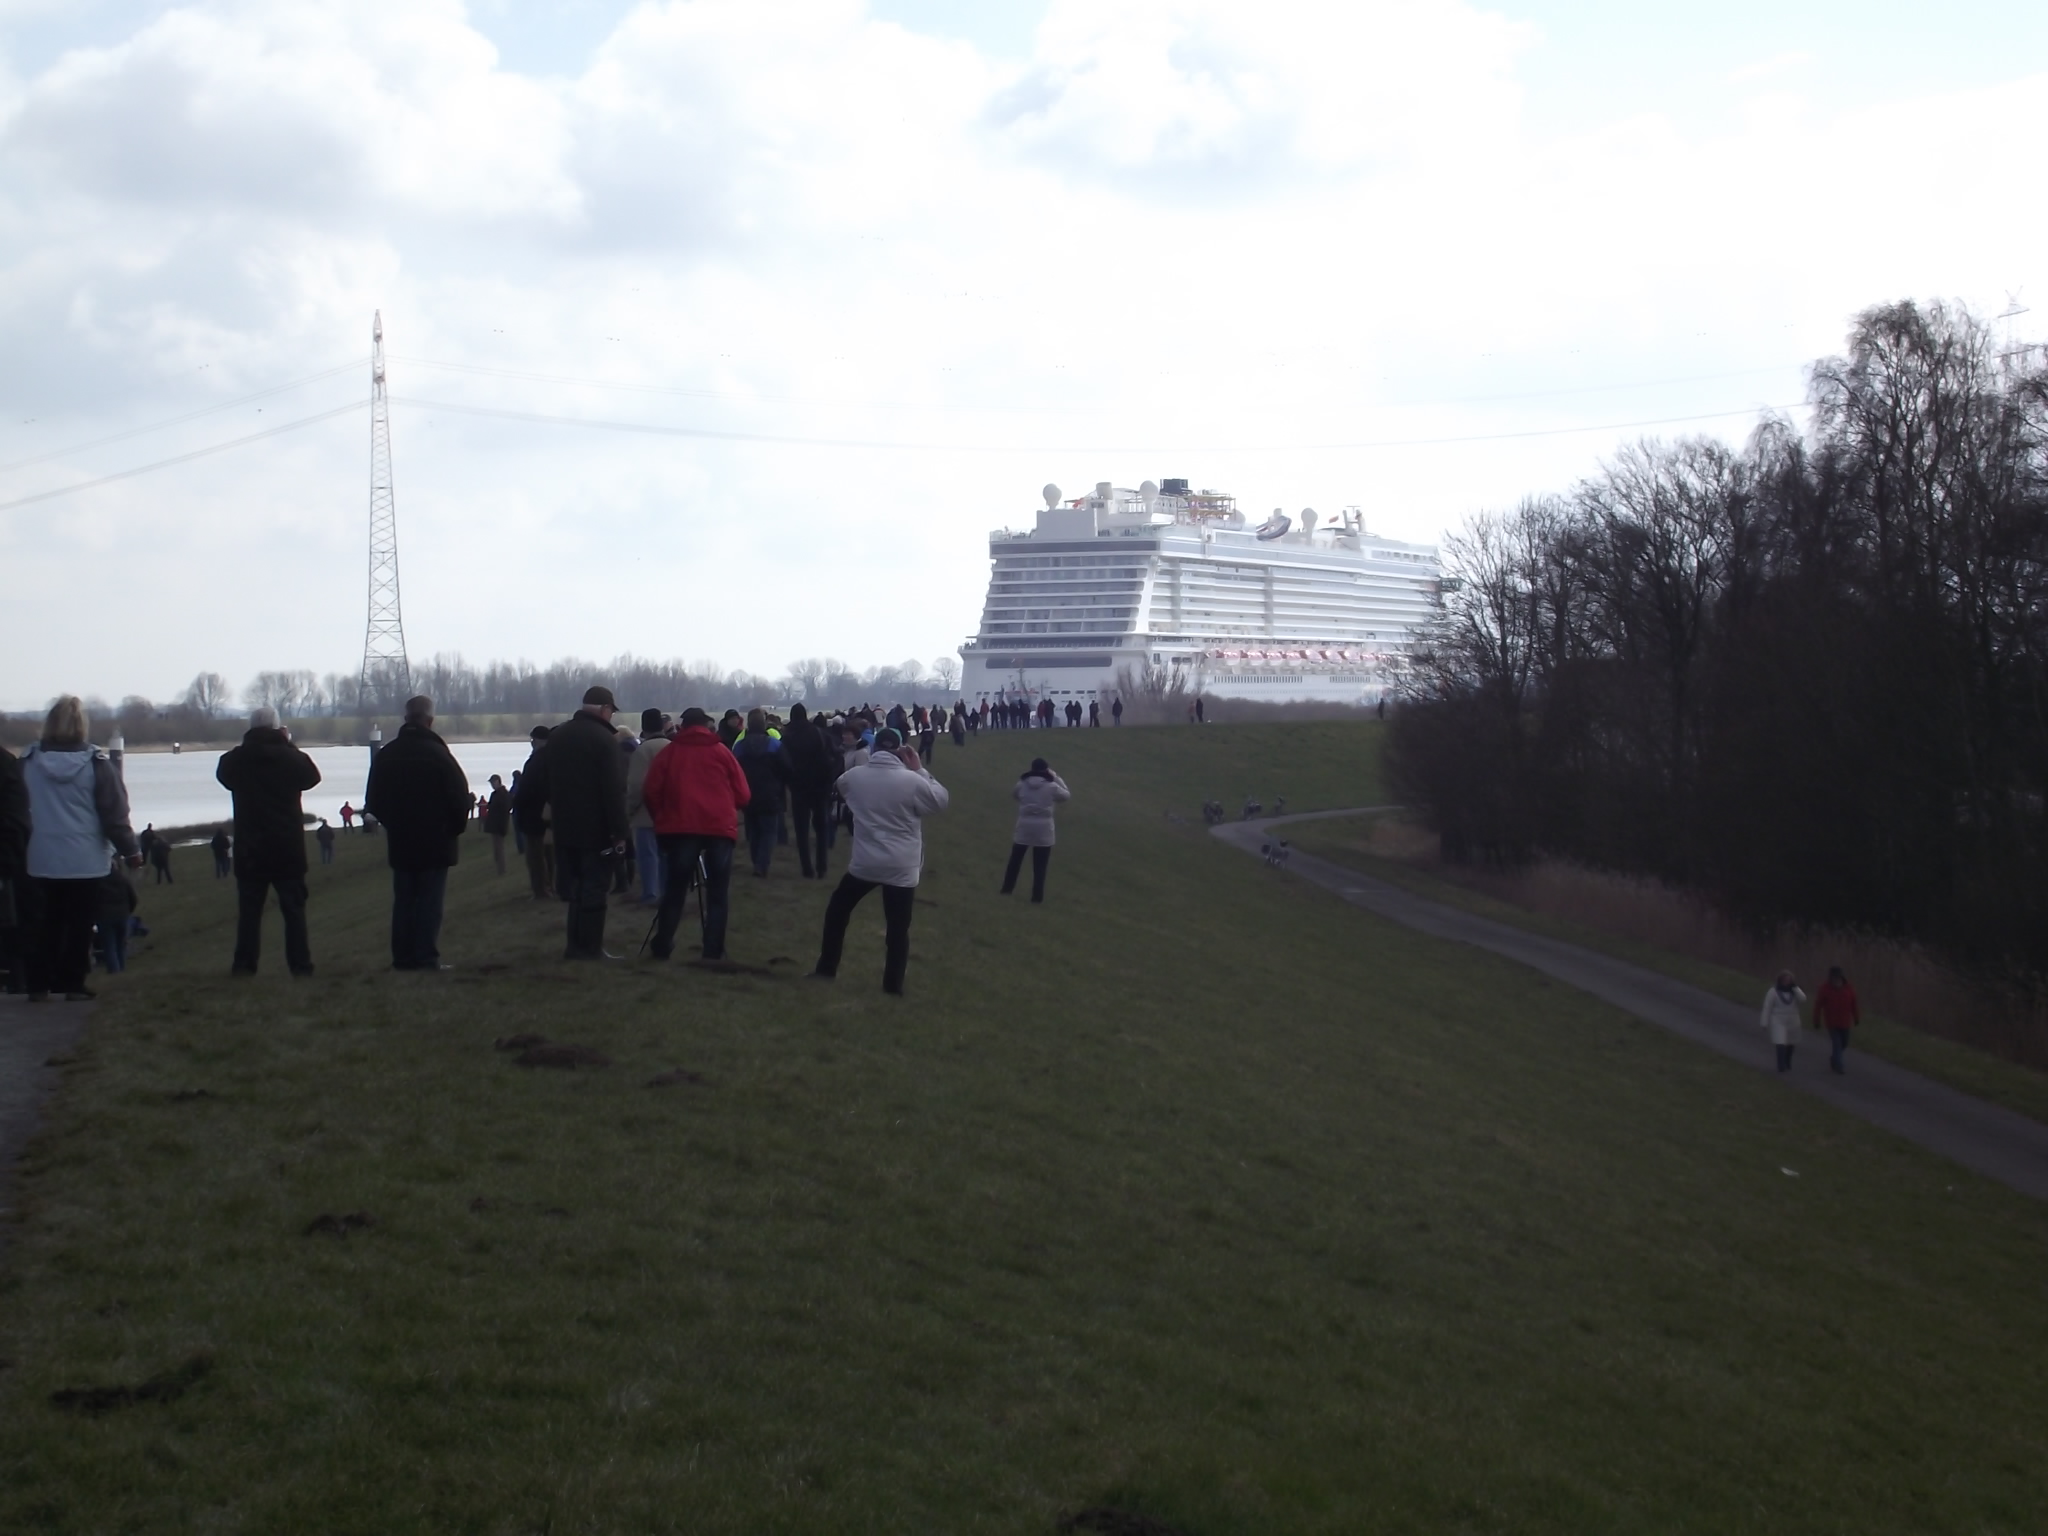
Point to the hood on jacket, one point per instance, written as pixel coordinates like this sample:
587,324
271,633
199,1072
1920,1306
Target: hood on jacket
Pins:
62,764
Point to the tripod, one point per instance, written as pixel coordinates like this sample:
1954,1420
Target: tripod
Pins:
697,878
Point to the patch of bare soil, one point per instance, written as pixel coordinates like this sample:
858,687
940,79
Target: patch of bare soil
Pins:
677,1075
330,1225
567,1057
160,1388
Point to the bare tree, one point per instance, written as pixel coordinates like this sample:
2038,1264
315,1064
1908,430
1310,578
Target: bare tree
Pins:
207,694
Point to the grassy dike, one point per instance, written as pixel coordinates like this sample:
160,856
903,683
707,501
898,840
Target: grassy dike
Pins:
1193,1192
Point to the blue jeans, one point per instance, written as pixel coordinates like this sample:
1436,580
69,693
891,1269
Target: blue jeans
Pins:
647,853
416,898
679,855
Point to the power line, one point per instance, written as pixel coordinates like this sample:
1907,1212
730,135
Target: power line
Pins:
527,376
183,458
158,426
781,440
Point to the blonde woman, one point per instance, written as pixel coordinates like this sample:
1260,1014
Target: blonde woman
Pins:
78,808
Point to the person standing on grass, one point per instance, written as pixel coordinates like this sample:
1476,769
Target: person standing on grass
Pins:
1781,1017
1037,791
222,846
581,774
498,820
530,818
890,795
160,862
1094,713
14,898
348,816
1116,710
78,816
1836,1011
759,750
694,794
655,731
421,795
324,836
812,758
266,775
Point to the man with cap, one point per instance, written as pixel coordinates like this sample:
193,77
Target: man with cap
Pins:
530,816
654,734
421,795
890,794
581,774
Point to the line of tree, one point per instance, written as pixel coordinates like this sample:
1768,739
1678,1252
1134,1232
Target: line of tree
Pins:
1807,679
210,707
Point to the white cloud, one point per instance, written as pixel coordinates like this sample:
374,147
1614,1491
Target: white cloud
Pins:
1181,224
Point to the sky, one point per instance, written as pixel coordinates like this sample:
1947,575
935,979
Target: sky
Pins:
726,330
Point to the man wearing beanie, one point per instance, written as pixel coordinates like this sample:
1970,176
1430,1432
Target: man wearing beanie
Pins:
890,795
655,728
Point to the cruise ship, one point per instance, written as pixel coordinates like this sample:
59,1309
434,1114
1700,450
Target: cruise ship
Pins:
1179,587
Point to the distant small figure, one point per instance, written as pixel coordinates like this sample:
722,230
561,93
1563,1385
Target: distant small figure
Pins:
1116,710
1036,792
1212,812
1201,716
221,845
324,836
348,816
1279,805
1781,1017
1094,713
1251,808
1383,709
160,861
1835,1010
1275,852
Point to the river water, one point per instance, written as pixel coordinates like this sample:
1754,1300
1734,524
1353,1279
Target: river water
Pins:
177,789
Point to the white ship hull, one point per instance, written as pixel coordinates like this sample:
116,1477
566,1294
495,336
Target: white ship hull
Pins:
1176,588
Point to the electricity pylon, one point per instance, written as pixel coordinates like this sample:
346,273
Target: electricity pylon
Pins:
387,677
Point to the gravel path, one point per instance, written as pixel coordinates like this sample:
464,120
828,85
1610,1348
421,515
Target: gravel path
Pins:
1987,1138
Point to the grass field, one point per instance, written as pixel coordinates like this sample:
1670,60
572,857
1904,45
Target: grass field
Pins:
1193,1193
1346,840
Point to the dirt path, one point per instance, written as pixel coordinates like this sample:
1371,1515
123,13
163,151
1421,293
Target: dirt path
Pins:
1984,1137
30,1034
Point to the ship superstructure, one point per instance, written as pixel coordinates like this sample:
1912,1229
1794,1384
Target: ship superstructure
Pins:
1178,584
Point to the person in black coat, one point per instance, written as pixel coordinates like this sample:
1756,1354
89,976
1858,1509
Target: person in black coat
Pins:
498,820
530,820
420,795
812,759
14,831
267,774
581,775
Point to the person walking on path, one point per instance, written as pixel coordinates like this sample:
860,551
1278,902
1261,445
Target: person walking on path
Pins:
1037,791
421,796
15,826
759,750
530,818
498,820
812,758
1781,1017
655,731
581,774
890,795
694,793
78,815
266,775
222,846
1836,1011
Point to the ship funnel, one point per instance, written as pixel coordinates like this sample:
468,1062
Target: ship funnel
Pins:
1103,490
1308,519
1052,496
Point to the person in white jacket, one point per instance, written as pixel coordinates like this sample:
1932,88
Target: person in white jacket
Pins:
889,795
1781,1017
1037,792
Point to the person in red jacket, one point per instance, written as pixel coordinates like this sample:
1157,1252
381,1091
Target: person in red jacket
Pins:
694,791
1835,1010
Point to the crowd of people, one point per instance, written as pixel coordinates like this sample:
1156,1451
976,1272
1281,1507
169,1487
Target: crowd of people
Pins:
595,810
